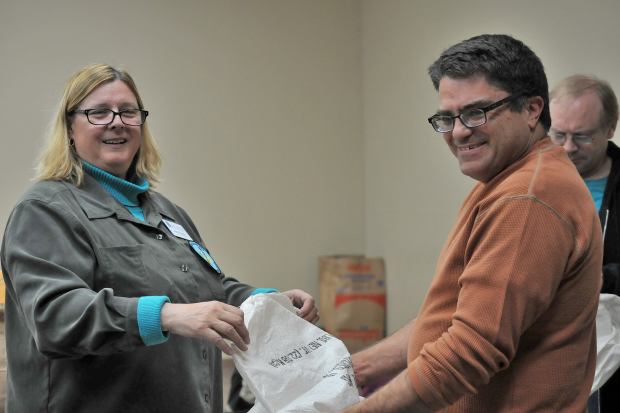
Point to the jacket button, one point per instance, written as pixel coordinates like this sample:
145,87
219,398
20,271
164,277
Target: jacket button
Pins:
184,267
204,354
207,398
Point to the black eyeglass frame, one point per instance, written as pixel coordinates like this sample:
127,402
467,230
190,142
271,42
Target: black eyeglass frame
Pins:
484,110
143,115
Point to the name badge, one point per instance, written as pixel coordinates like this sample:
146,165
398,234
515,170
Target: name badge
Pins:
204,254
176,229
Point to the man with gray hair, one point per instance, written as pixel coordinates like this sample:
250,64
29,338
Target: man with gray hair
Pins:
584,114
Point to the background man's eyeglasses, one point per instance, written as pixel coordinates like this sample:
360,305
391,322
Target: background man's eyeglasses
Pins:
579,139
130,117
470,118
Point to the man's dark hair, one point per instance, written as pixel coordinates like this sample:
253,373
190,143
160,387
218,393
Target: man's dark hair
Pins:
503,61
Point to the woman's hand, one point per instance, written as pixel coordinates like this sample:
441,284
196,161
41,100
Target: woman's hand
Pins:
211,320
305,303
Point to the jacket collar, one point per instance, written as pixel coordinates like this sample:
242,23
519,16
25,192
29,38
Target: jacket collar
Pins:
613,151
97,203
613,179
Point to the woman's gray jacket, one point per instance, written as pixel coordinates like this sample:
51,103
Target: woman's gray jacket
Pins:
75,262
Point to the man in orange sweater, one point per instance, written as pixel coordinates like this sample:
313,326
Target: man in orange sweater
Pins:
508,324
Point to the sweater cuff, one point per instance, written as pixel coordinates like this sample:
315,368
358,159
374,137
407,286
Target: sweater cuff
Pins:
420,383
149,319
264,291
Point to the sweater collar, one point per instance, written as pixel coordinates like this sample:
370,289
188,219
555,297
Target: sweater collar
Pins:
123,191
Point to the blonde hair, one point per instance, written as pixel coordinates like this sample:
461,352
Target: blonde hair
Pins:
59,161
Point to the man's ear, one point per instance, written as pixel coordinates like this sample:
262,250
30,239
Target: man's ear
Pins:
611,131
534,108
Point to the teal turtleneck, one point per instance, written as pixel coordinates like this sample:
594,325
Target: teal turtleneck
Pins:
597,190
123,191
126,192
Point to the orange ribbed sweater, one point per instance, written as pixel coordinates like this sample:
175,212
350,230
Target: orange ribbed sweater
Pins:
508,324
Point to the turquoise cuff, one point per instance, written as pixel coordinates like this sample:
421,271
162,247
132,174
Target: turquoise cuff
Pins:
264,291
149,319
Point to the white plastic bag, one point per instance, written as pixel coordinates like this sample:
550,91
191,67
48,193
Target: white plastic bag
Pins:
607,339
291,365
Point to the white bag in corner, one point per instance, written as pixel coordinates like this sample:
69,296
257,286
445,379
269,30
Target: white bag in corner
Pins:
291,365
607,339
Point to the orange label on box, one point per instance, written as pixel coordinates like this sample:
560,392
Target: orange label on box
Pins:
343,298
359,267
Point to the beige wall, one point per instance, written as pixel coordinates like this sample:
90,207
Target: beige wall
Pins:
256,106
289,128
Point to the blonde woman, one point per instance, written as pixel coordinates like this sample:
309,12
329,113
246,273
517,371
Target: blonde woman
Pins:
114,303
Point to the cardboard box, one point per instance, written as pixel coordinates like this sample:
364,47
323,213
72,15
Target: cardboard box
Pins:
352,298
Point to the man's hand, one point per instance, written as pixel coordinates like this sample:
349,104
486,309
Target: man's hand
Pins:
211,320
378,364
366,381
398,396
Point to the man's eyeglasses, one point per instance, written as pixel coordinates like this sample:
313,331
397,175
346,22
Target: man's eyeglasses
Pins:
579,139
470,118
101,116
